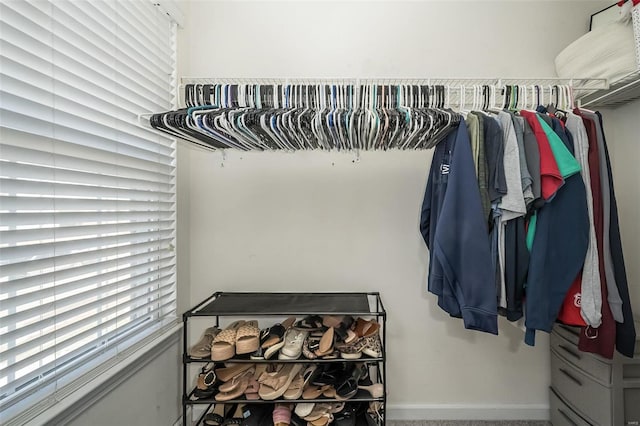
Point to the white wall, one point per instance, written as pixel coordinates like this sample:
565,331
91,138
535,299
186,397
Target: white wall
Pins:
623,136
320,221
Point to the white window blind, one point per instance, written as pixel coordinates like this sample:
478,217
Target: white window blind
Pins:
87,197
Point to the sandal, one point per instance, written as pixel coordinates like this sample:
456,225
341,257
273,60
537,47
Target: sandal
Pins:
309,323
351,350
251,392
202,349
274,385
224,344
366,328
275,334
235,382
248,338
216,416
294,391
236,392
326,343
349,386
237,417
282,415
227,373
303,409
311,344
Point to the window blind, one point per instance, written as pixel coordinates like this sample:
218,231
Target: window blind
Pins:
87,197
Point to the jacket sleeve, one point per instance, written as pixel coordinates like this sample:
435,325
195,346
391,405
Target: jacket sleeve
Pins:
461,244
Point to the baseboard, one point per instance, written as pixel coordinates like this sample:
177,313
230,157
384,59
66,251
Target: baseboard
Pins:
467,412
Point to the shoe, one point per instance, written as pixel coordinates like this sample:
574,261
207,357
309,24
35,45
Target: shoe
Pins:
311,344
348,384
223,346
376,390
366,328
293,341
274,334
216,416
227,373
348,416
274,385
202,349
351,350
372,346
247,338
282,415
326,343
309,323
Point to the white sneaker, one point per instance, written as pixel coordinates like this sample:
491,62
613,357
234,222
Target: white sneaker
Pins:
293,341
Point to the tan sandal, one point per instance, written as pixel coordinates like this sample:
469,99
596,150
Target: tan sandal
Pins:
248,338
274,385
227,373
224,344
326,343
202,349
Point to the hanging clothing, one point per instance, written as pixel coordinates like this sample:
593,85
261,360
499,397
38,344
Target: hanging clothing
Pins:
599,340
453,227
546,194
560,241
584,297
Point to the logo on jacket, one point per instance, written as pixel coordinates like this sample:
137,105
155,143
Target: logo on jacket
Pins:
444,169
576,300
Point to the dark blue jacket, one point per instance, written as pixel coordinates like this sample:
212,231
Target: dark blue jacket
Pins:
455,231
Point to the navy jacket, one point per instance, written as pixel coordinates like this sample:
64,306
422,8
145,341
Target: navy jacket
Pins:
454,229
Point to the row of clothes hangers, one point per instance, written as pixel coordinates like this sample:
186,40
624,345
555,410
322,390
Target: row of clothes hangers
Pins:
336,117
296,117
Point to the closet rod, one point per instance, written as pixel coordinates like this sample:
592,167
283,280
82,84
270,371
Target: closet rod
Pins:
576,83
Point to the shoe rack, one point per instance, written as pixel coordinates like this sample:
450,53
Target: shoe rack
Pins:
222,308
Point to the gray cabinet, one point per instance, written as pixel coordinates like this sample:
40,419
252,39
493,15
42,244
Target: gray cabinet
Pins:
587,389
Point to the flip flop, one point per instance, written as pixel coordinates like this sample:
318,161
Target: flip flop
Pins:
233,384
224,344
236,393
247,338
227,373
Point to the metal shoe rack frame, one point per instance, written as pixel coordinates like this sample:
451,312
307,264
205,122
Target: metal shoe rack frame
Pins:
261,305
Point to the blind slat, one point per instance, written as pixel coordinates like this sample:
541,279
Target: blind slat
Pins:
21,147
19,169
43,220
152,309
30,268
45,286
62,309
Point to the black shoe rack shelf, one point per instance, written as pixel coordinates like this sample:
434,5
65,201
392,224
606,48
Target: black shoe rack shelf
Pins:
278,306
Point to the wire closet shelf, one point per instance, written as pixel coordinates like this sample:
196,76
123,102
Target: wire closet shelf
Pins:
445,93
